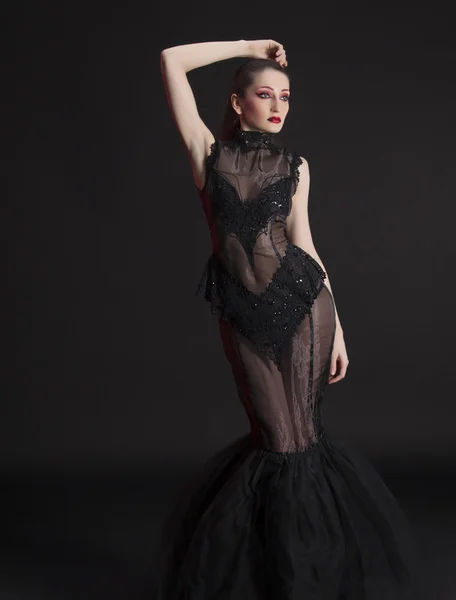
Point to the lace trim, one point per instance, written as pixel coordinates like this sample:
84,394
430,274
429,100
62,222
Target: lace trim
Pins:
295,162
209,162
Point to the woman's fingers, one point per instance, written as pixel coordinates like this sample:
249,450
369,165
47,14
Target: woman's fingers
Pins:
333,367
281,55
343,364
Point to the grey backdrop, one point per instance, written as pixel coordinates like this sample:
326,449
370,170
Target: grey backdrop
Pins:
113,358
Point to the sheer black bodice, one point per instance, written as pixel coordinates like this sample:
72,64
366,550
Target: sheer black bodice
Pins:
256,279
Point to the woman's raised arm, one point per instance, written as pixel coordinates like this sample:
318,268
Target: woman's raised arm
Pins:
175,63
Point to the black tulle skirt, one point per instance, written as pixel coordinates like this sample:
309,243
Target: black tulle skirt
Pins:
260,525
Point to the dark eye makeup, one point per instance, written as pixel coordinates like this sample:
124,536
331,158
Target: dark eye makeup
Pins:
287,96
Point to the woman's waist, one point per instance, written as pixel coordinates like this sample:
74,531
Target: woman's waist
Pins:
294,271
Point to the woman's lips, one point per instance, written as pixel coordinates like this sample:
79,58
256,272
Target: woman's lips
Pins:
274,119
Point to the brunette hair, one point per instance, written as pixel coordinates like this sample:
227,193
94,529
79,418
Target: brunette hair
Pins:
242,79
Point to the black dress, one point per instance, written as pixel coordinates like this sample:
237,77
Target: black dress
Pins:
282,513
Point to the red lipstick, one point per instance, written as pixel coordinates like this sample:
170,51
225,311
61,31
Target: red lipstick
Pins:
275,119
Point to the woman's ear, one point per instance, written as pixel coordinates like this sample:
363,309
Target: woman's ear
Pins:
235,103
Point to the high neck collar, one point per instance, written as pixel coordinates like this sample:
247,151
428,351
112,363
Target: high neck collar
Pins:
253,139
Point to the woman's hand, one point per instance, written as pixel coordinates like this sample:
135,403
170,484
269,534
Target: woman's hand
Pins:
339,359
268,49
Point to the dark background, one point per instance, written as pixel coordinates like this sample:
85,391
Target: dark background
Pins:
117,382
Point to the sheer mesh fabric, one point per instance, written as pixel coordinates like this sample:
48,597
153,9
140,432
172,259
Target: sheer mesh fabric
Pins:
256,279
284,406
283,512
247,199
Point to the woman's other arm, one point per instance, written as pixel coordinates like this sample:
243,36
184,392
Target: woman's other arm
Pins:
298,227
175,63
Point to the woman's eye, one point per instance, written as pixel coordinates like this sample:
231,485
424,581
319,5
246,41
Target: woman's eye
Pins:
261,94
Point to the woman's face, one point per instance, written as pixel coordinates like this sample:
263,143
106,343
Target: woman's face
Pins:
267,97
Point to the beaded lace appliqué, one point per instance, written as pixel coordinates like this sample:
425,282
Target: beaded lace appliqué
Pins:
249,219
270,318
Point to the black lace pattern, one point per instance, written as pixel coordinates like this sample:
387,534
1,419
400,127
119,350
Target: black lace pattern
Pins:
249,219
254,140
270,317
267,319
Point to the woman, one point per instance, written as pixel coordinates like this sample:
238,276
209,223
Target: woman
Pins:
282,513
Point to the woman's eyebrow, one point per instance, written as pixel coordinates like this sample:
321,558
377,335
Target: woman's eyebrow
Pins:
270,88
